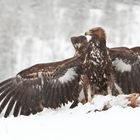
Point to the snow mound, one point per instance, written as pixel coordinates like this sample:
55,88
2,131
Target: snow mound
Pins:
79,123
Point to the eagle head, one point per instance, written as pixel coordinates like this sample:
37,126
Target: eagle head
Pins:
97,33
80,44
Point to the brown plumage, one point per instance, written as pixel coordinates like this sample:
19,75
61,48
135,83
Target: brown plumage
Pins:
43,85
121,64
126,67
136,50
98,65
98,71
80,45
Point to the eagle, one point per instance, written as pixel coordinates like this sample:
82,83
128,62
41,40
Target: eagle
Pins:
98,77
119,66
47,85
98,64
85,91
111,70
94,69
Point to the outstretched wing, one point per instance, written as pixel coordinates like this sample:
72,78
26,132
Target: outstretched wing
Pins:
126,63
24,95
43,85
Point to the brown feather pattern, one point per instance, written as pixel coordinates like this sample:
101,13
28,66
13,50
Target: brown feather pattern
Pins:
40,86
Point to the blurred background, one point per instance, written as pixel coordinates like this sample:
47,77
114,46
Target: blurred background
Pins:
39,31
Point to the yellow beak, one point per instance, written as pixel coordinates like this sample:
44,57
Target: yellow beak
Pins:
88,33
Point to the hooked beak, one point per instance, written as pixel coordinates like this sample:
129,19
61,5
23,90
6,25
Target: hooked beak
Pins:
88,33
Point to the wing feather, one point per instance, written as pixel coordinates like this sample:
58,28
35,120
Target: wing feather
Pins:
34,88
64,92
126,63
51,95
46,90
59,94
67,87
56,98
5,93
12,102
18,104
17,109
6,96
4,103
6,82
10,106
3,88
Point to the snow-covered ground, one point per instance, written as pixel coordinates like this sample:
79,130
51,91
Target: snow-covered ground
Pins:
81,123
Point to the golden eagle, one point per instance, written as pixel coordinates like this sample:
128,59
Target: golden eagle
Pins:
95,69
120,65
111,70
98,66
43,85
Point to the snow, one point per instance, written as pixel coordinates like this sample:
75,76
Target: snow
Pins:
121,66
80,123
68,76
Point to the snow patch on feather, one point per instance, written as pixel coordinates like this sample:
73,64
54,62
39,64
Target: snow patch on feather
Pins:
121,66
68,76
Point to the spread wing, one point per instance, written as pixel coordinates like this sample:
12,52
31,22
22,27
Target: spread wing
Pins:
43,85
126,63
